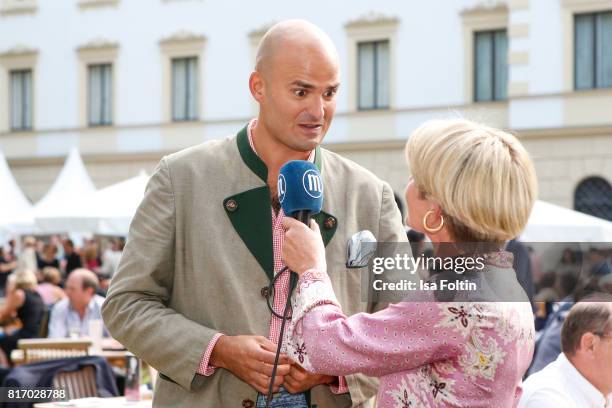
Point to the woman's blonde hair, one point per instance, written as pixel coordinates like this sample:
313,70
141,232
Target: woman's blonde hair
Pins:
24,279
51,275
482,178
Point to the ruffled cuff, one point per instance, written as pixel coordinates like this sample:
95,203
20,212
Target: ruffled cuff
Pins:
341,387
313,289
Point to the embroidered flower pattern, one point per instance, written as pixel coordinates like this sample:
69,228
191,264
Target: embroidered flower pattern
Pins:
501,259
301,352
453,351
481,360
461,317
404,397
438,388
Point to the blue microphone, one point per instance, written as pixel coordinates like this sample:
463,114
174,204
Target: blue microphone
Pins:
300,190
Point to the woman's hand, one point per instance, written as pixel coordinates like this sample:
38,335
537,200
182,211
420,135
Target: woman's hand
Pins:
303,247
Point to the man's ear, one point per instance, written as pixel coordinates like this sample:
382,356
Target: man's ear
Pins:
256,86
587,343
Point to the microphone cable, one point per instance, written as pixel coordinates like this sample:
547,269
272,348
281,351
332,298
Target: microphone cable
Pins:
293,279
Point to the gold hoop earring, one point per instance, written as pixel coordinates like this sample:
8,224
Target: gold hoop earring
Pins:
427,227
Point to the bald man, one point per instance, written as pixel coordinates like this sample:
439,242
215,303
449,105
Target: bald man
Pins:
71,316
190,294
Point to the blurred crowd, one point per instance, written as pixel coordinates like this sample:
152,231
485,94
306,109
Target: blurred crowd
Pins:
53,288
576,274
577,277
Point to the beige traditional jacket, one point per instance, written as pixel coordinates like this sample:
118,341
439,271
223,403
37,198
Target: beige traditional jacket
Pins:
200,250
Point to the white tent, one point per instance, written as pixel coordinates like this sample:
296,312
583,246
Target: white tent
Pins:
15,209
55,212
552,223
109,211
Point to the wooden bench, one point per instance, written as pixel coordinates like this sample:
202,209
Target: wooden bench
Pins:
49,349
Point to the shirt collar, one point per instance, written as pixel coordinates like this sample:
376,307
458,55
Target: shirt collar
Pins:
252,123
90,306
583,386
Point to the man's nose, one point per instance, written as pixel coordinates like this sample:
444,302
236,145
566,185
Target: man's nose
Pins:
316,108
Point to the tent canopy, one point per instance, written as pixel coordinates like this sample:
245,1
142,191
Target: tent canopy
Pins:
109,211
552,223
55,212
15,209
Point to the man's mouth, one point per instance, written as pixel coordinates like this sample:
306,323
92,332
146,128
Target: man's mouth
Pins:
311,126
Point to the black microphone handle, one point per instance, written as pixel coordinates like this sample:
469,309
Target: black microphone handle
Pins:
303,216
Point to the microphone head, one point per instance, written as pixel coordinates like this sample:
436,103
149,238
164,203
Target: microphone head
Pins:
300,187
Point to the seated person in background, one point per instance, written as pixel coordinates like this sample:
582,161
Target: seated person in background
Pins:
110,262
111,258
48,257
25,303
548,343
72,260
49,289
605,283
27,259
90,256
581,377
70,317
7,264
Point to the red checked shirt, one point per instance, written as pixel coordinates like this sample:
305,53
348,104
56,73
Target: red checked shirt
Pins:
281,287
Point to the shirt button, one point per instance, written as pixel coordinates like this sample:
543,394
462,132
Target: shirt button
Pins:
265,292
247,403
231,205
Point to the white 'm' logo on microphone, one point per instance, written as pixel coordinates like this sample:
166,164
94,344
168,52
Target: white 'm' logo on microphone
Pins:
282,188
312,183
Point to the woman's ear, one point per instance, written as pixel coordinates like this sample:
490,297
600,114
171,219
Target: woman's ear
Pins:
435,207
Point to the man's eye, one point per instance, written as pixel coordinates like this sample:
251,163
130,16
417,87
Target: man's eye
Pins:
330,93
299,92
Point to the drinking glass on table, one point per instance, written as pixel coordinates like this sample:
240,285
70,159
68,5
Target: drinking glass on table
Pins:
96,329
74,331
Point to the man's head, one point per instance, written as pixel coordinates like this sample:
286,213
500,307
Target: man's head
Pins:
586,340
81,286
68,246
295,82
29,242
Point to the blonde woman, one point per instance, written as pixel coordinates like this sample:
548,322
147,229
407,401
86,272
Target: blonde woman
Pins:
49,289
23,302
469,183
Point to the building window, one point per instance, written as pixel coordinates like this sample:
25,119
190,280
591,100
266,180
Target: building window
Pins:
594,196
491,65
373,74
593,50
21,99
99,95
184,88
17,6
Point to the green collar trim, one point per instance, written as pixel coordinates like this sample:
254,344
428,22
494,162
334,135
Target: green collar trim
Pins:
254,162
249,157
250,213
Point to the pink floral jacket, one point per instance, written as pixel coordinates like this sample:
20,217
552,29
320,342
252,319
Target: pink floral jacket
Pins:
426,353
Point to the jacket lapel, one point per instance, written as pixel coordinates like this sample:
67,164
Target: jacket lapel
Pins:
250,211
250,214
